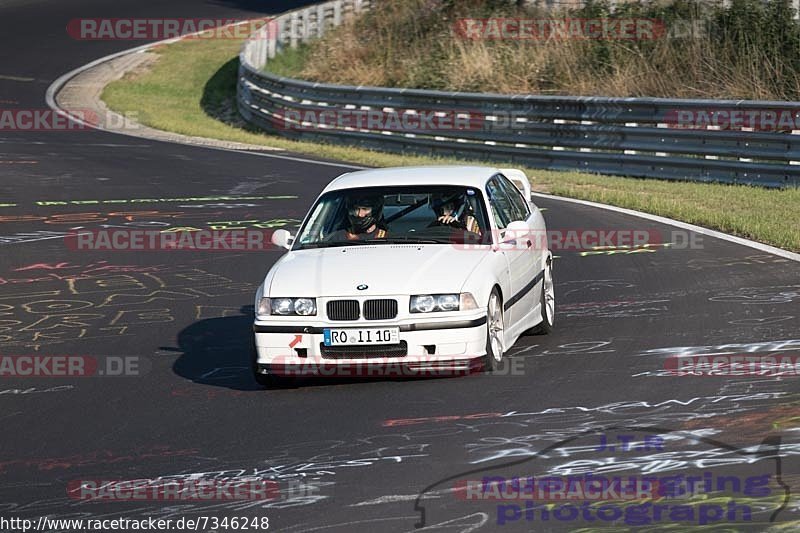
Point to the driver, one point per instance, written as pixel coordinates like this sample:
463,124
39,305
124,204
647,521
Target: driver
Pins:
364,220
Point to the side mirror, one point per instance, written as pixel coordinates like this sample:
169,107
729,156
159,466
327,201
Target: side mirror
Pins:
282,238
516,230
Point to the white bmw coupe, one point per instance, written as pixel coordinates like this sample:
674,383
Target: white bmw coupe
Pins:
433,268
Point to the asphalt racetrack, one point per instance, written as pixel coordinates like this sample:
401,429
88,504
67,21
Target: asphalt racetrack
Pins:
367,455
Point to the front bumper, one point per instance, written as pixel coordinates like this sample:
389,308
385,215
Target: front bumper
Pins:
432,344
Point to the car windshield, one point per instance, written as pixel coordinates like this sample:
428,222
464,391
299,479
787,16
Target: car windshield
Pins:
396,214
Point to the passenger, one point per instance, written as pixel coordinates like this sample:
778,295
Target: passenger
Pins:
450,211
445,207
364,220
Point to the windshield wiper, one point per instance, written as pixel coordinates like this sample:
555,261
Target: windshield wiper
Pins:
387,240
334,244
406,240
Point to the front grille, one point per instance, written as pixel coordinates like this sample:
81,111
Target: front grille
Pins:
343,310
364,352
380,309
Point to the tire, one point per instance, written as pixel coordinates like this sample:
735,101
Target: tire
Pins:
269,381
495,326
548,302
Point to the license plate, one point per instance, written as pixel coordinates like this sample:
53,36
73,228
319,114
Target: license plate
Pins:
345,337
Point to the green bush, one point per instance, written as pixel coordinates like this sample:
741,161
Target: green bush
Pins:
749,50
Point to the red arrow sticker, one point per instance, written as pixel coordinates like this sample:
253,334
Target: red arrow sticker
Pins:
297,340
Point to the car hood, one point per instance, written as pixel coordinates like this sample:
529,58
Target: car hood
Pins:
386,269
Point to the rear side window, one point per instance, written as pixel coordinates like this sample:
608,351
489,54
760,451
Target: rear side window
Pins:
518,203
502,209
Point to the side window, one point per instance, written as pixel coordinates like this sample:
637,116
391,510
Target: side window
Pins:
502,210
516,198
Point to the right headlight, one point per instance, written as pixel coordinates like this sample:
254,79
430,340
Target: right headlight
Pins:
288,306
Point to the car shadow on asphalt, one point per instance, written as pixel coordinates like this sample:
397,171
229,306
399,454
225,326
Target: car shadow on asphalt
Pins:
216,351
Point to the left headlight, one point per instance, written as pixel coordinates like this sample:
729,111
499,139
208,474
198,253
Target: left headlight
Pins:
288,306
428,303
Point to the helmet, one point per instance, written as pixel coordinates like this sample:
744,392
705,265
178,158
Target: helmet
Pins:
359,224
439,201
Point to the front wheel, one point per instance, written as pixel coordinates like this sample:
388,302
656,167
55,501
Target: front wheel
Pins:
548,302
495,327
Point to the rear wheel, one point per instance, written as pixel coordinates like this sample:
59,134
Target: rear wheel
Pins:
495,327
548,302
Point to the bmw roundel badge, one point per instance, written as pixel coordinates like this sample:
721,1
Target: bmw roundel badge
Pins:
362,287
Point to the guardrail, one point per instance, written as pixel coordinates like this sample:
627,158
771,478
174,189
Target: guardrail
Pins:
640,137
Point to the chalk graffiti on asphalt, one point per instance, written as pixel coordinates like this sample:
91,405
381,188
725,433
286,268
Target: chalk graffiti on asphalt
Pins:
725,262
98,303
782,294
719,454
167,200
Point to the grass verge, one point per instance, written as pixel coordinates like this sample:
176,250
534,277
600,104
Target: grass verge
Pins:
191,90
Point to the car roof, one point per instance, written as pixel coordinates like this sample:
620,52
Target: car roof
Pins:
432,175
